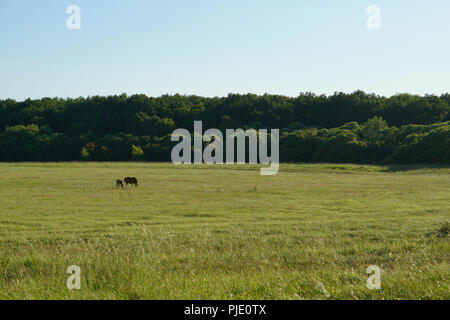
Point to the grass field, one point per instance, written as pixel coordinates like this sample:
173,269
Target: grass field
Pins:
223,232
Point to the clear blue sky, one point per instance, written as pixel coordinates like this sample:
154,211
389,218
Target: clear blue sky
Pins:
214,47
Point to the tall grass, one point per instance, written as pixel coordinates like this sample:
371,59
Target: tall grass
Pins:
223,232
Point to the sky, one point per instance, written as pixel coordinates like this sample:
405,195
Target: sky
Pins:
216,47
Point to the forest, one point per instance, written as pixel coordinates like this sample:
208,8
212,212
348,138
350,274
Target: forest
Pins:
338,128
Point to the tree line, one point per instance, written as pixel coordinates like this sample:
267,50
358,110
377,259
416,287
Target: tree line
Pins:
348,128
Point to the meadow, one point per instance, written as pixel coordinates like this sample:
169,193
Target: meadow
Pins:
223,232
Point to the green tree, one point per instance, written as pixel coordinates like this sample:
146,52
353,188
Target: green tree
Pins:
84,154
137,154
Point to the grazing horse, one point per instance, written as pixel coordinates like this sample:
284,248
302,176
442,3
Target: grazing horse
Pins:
119,183
132,181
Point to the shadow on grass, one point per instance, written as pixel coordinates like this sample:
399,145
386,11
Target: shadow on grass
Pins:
413,167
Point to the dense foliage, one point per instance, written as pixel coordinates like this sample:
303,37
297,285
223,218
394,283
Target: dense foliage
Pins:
357,127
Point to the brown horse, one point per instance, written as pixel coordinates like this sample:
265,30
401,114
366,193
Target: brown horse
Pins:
119,183
132,181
